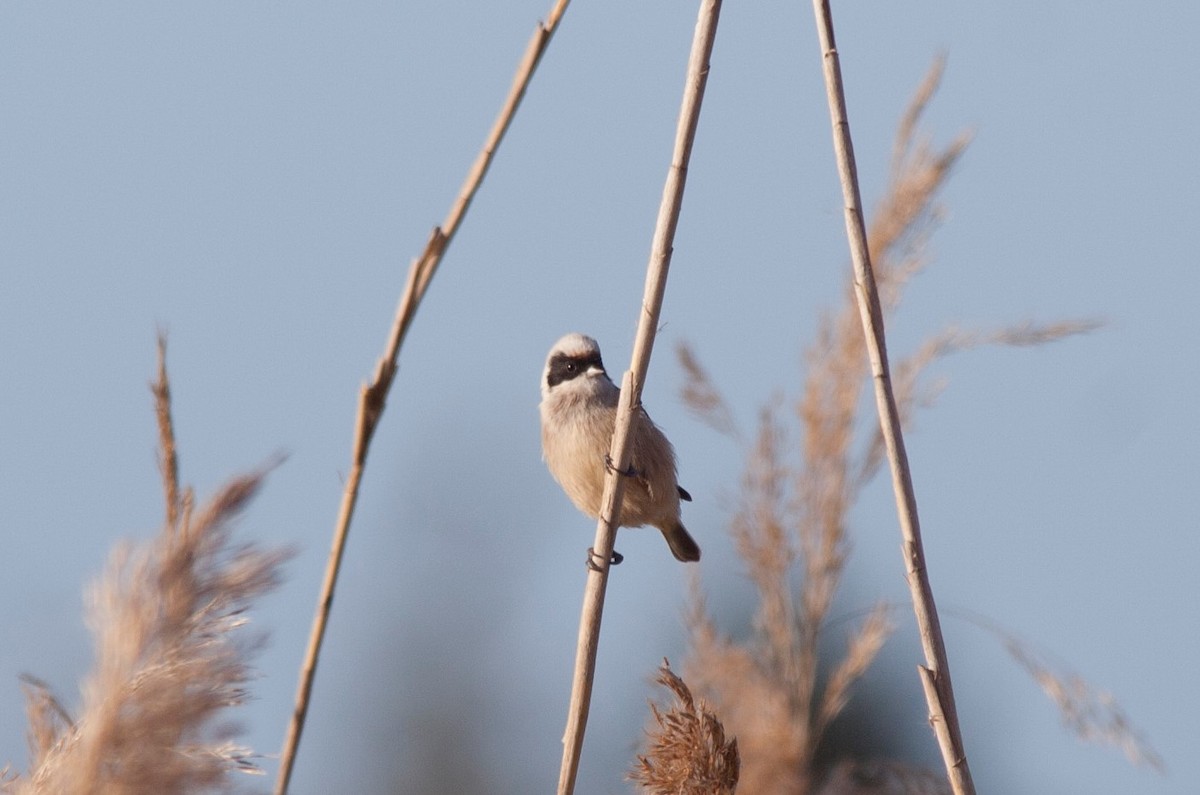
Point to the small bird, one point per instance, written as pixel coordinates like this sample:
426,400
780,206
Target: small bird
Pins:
579,410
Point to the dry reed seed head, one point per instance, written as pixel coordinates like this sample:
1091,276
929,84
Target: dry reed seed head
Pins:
823,488
688,752
861,651
911,394
701,396
760,526
773,705
47,718
754,706
1093,715
168,454
915,108
901,226
168,664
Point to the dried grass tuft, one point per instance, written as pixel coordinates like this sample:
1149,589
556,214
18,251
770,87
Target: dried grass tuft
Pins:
688,753
701,395
861,651
1091,714
169,657
907,375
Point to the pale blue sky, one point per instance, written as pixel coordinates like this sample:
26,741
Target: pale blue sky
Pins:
255,178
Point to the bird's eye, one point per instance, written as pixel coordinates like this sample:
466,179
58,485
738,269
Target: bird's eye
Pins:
572,367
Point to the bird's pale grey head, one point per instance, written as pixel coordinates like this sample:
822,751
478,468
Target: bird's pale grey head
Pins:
574,356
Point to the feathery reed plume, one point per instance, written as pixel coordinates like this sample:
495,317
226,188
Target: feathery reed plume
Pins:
1091,714
907,373
688,753
47,717
792,516
754,704
766,689
702,397
861,651
168,659
168,456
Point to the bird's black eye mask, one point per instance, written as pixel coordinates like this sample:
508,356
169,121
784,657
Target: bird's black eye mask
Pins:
564,367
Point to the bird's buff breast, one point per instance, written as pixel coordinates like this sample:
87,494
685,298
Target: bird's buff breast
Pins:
574,449
575,444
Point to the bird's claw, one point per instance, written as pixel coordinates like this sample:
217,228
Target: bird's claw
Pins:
629,472
592,557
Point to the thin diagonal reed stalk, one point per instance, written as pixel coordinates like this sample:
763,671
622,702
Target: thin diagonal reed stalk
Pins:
631,390
935,675
373,396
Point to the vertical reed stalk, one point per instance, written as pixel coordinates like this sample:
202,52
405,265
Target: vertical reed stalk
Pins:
631,391
935,674
374,395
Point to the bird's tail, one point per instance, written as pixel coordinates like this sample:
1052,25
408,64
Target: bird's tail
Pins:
683,546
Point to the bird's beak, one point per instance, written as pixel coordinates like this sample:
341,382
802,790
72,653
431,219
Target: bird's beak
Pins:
594,371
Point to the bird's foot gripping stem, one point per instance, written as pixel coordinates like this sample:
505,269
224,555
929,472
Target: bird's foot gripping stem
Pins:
628,472
592,557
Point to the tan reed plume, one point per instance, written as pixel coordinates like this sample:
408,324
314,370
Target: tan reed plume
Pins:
172,653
